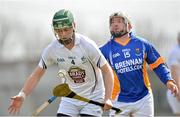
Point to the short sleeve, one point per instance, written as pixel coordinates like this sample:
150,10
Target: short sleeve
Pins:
98,58
46,58
94,53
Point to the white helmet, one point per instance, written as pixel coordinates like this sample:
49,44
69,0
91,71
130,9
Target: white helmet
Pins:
126,22
120,14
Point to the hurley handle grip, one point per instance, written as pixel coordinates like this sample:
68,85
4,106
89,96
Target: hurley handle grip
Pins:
43,106
102,105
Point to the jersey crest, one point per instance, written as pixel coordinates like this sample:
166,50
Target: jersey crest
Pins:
77,74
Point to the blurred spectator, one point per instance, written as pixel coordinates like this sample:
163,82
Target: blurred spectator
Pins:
174,64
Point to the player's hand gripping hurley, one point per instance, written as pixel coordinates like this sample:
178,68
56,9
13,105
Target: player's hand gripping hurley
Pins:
63,90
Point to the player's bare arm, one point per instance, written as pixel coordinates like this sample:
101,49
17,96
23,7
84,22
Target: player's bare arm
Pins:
29,85
33,80
108,81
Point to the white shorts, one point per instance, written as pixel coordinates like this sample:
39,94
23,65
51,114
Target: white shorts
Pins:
74,108
173,102
141,108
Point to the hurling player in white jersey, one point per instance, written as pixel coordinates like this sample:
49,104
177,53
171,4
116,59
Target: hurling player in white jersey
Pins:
174,64
89,74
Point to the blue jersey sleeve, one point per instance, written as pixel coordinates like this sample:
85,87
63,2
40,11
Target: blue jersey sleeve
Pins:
163,73
151,54
157,63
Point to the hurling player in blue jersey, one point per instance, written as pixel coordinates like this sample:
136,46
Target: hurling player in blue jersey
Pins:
128,56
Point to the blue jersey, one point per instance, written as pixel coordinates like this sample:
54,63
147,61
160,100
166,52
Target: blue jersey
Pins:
128,62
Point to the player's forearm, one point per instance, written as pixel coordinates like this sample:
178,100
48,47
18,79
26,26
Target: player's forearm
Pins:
108,87
30,85
108,81
32,81
163,73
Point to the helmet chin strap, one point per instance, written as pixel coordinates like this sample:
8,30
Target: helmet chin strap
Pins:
119,34
67,41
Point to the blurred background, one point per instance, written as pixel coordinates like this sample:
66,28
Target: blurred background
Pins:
25,29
